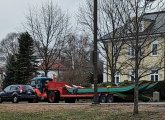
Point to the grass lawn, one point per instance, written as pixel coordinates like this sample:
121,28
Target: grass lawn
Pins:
79,112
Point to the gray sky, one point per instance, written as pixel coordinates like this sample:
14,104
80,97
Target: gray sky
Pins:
12,12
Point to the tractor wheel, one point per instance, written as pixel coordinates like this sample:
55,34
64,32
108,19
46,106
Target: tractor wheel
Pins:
110,99
103,99
53,97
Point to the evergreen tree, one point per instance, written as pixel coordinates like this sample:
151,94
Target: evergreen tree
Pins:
10,71
24,67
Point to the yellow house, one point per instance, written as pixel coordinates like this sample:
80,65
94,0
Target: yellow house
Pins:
151,51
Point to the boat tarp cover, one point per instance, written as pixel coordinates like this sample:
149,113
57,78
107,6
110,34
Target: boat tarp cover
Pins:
142,87
106,90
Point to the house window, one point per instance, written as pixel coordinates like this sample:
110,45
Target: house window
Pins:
117,77
131,52
131,75
154,75
154,48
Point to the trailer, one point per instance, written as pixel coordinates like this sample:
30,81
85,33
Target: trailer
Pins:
49,90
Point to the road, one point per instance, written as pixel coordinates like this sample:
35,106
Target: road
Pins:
125,103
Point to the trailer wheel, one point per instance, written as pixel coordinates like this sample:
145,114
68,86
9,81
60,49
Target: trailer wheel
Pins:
110,99
103,99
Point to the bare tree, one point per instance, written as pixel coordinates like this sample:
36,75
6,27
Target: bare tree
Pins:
141,31
10,43
77,56
48,27
108,23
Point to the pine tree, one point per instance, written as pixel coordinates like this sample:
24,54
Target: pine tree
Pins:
24,67
10,71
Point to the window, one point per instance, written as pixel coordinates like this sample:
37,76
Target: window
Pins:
7,89
13,88
154,48
154,75
131,52
131,75
117,77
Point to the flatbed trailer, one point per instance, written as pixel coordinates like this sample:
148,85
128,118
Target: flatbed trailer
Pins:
53,92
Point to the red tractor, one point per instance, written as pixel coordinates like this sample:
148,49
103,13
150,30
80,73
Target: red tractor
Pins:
49,90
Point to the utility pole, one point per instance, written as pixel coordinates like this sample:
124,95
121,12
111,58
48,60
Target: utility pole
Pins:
164,58
95,51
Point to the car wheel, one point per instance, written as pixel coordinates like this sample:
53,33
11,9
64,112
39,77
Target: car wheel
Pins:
15,99
1,100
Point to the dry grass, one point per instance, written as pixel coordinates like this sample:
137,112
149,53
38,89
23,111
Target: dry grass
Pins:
85,112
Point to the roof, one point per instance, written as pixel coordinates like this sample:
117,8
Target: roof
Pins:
157,25
158,19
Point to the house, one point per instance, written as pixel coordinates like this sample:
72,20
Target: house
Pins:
151,50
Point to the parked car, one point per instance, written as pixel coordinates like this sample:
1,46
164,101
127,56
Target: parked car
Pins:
16,93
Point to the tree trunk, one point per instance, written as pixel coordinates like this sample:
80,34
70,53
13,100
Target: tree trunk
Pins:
136,94
112,76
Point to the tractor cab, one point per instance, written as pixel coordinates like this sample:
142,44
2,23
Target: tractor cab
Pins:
40,82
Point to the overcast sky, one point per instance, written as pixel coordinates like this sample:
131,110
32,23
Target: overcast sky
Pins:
12,12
